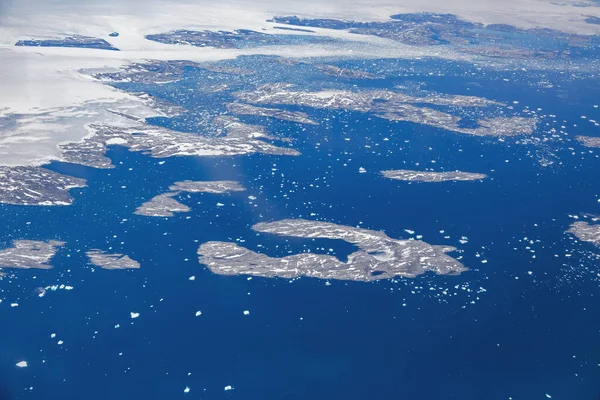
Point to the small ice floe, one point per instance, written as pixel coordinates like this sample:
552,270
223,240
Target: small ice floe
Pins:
409,231
134,315
22,364
362,170
60,343
220,205
484,261
548,396
14,304
186,390
228,387
246,312
192,278
198,313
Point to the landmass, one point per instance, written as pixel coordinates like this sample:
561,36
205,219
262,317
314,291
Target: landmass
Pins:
431,176
70,41
106,260
28,254
36,186
236,138
449,31
237,39
164,205
589,141
586,232
378,256
293,116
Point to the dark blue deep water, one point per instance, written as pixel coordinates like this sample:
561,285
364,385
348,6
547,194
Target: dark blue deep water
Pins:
523,325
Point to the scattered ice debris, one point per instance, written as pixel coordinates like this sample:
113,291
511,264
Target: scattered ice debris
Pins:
22,364
134,315
54,288
192,278
362,170
220,205
228,387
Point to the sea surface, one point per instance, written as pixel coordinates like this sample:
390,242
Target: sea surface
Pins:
522,323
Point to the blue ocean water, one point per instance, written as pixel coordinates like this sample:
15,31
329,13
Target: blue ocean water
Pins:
514,327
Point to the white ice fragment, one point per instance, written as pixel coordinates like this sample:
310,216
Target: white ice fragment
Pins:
134,315
246,312
60,342
228,387
192,278
14,304
362,170
220,205
198,313
548,396
186,390
22,364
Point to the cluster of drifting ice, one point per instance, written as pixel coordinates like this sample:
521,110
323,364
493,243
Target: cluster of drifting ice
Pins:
586,232
393,106
36,186
105,260
430,176
164,205
285,115
26,254
378,257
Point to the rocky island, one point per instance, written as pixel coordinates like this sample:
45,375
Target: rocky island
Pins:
164,205
28,254
431,176
378,257
106,260
395,106
586,232
589,141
